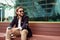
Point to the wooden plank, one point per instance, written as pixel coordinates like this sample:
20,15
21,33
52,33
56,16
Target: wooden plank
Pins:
37,28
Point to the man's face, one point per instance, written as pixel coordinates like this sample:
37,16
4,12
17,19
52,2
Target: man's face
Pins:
20,12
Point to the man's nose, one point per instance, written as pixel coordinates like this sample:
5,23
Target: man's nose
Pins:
22,12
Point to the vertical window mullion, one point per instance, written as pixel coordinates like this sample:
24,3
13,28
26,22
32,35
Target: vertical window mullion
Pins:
1,14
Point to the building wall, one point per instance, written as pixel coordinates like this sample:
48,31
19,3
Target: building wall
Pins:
37,10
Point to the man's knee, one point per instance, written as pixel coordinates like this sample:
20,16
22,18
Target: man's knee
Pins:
24,32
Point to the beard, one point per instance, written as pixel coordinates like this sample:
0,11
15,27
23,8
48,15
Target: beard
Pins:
21,15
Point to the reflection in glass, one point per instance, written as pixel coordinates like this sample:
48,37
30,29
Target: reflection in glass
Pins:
37,10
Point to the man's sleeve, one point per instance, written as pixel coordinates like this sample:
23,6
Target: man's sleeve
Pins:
12,23
25,23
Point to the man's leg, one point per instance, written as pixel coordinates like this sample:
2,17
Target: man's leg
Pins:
8,37
24,34
11,33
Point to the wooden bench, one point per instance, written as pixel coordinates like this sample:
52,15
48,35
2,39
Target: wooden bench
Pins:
43,31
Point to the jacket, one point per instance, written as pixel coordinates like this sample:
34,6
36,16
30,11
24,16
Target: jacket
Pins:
24,24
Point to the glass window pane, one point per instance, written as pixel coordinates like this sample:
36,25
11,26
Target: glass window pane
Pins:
37,10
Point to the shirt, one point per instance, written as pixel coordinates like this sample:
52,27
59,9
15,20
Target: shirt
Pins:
19,24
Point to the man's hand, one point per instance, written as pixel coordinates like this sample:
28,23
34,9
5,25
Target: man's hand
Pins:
8,28
20,28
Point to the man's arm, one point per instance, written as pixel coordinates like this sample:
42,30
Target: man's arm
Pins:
12,23
25,22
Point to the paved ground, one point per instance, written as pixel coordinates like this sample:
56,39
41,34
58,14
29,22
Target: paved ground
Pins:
35,37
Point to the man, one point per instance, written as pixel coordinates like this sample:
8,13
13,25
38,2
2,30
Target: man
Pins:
19,26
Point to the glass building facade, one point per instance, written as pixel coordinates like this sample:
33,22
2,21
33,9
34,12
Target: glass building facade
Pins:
39,10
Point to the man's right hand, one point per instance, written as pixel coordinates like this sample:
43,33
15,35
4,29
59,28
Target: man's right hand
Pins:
8,28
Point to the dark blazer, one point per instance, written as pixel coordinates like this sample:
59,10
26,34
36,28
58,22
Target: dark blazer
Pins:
24,24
